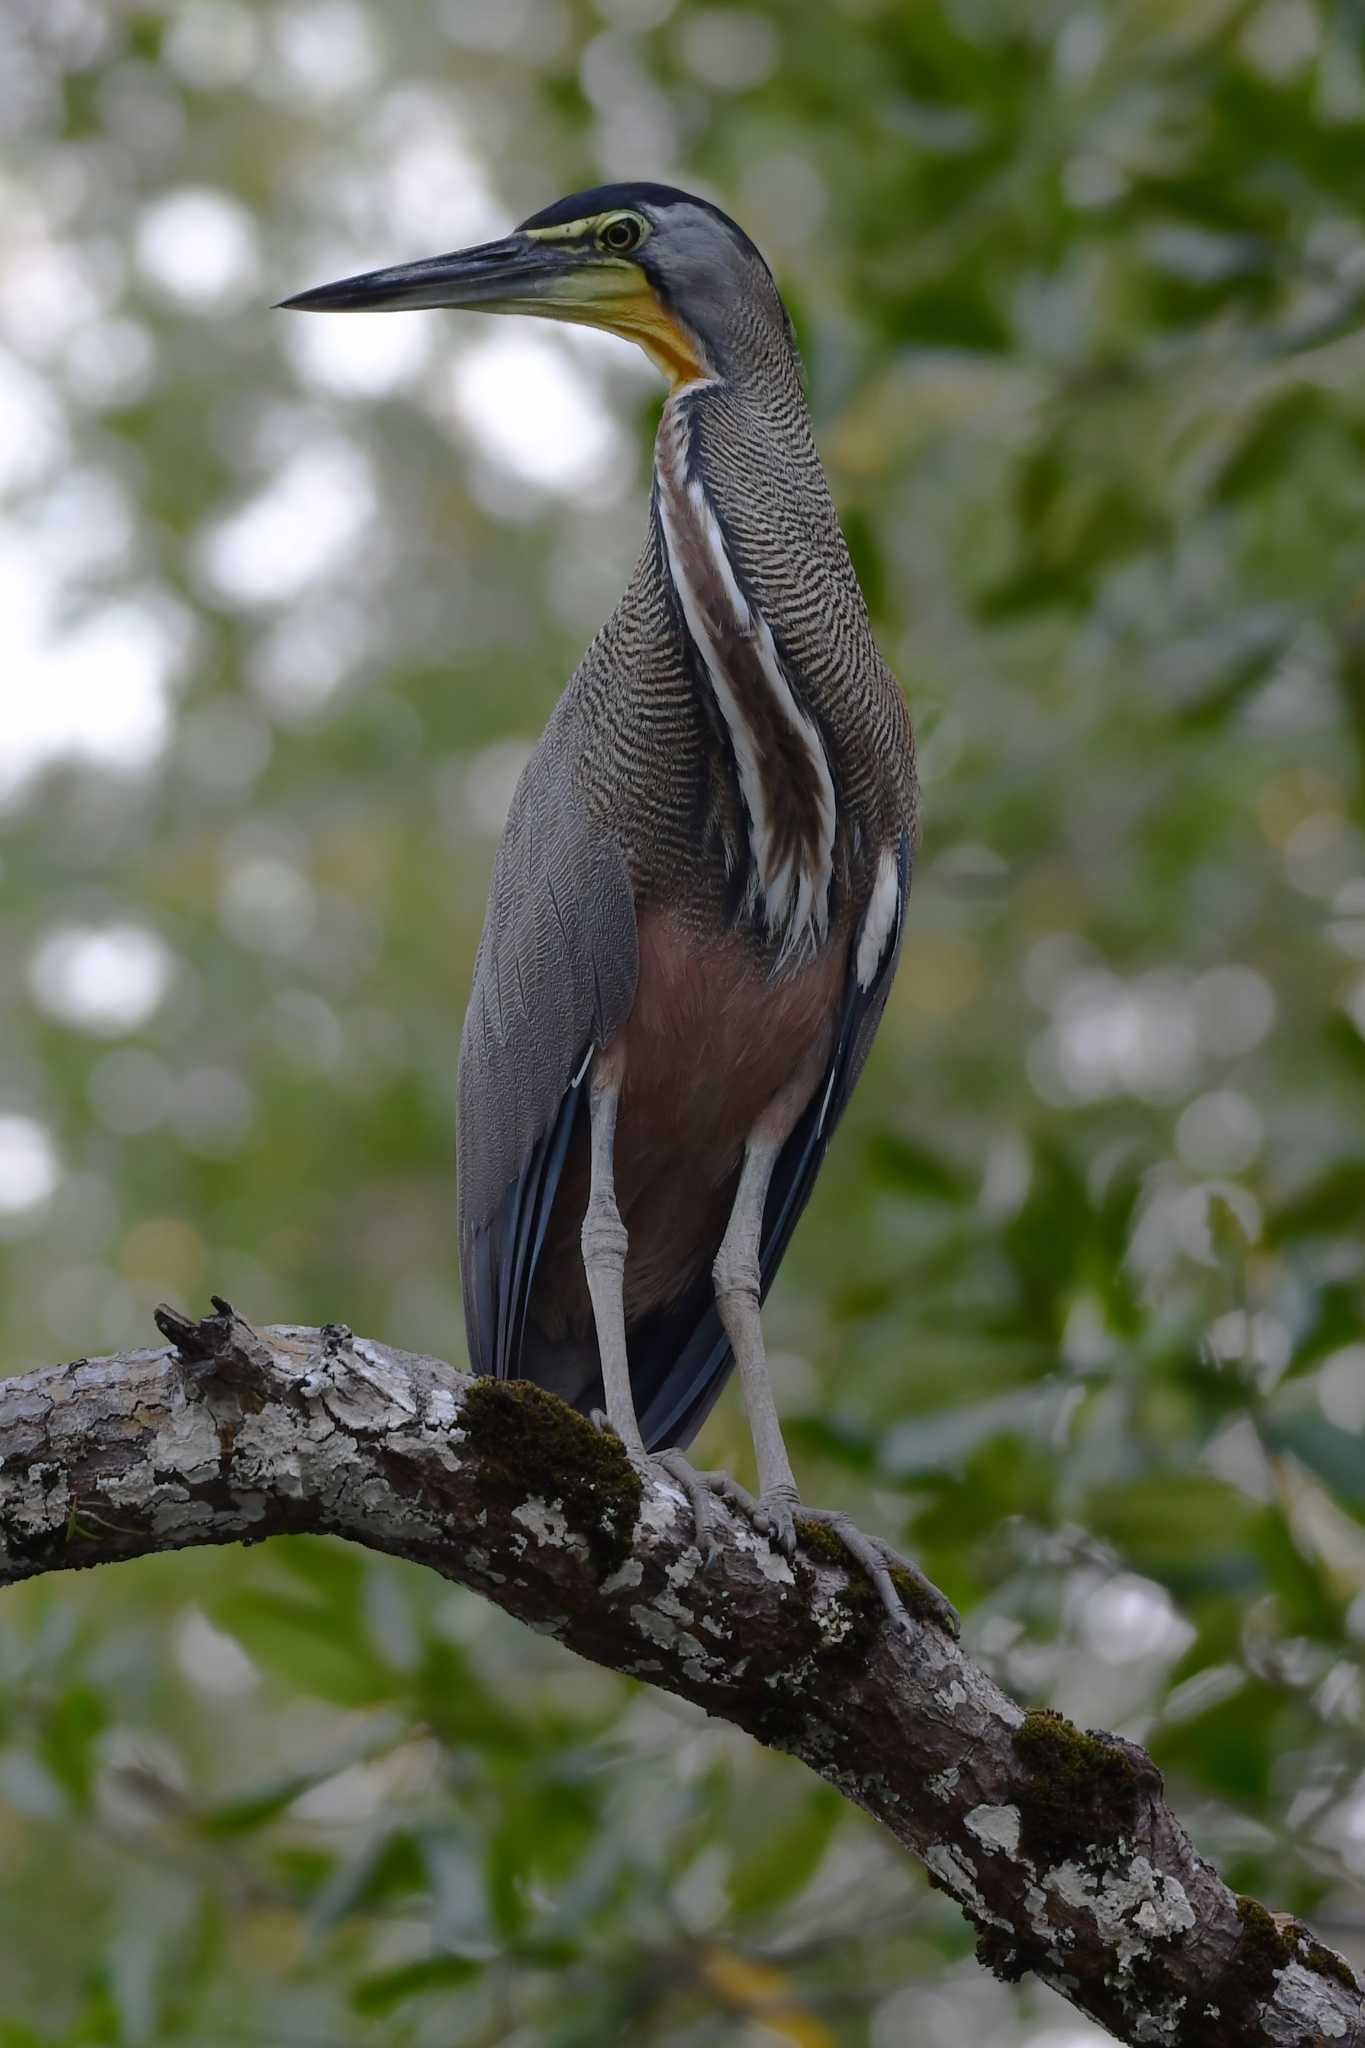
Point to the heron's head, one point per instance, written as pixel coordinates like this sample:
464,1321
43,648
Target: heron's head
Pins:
668,271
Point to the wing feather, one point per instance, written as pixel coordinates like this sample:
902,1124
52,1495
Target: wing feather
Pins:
555,975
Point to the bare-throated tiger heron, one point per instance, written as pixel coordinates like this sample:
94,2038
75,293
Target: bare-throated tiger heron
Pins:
698,901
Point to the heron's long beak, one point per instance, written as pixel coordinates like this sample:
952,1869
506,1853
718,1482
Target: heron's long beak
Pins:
526,274
516,275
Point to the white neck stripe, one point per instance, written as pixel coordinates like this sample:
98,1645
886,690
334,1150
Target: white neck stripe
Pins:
793,892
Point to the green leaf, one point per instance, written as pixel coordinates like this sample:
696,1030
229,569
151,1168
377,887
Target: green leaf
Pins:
1187,1529
1335,1456
16,2033
69,1731
784,1859
307,1646
390,1865
1301,1584
943,1442
1233,1747
246,1811
333,1570
916,1169
382,1991
1335,1200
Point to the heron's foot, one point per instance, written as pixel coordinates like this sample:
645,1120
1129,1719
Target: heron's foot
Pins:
906,1594
772,1514
701,1488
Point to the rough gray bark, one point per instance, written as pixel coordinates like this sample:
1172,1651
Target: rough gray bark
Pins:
1058,1845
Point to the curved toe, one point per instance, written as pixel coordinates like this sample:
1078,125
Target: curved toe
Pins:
908,1595
774,1516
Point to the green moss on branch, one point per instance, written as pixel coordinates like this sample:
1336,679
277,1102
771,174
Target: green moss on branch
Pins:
1079,1795
530,1444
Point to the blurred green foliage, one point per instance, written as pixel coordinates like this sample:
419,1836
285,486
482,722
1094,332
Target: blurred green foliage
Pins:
1076,1311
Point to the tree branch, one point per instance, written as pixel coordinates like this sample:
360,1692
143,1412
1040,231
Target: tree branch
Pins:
1058,1845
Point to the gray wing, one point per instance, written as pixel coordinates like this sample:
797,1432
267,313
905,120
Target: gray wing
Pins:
555,976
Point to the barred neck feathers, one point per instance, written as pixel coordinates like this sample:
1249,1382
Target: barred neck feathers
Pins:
779,757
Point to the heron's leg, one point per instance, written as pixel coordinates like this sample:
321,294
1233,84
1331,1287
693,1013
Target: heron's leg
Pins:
737,1282
777,1513
604,1256
605,1241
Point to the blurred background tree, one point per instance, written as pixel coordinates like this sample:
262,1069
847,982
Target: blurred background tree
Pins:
1076,1311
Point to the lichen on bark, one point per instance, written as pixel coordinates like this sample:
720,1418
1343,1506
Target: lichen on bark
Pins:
1057,1842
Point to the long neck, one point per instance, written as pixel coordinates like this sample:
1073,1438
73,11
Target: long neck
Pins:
759,377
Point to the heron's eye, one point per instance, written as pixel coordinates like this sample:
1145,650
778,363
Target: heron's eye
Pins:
622,234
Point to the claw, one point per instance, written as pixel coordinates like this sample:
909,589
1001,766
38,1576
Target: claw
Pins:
699,1496
880,1561
774,1519
774,1515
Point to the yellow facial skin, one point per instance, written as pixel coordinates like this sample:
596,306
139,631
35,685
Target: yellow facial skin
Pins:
614,293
